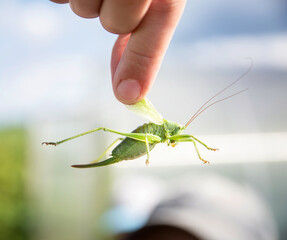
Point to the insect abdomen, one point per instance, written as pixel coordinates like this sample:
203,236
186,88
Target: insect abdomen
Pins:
130,149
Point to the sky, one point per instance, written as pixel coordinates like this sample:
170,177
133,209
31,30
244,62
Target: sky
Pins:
53,61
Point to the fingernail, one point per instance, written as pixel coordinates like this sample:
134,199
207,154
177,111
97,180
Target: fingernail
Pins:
129,90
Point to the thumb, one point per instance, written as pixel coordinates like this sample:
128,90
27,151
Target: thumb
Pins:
136,57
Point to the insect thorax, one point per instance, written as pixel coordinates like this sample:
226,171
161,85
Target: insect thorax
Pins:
172,128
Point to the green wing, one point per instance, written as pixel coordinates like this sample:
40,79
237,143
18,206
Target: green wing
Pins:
145,109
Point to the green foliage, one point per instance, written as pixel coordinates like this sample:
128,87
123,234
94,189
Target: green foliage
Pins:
13,204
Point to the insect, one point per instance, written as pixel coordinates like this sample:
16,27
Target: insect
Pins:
145,137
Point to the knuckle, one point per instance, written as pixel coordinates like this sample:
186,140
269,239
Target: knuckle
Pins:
122,16
60,1
118,24
143,58
166,6
113,27
83,10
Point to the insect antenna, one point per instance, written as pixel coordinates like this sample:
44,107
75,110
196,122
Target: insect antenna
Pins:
201,109
220,100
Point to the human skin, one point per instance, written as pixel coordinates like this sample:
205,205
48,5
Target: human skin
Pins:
145,28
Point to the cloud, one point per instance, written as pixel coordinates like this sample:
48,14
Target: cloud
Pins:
40,22
30,21
53,84
267,51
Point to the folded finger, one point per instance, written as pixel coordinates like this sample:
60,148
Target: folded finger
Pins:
86,8
60,1
122,16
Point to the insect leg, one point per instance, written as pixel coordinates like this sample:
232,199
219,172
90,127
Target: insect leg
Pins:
184,136
204,161
71,138
143,137
147,151
108,148
209,148
137,136
189,139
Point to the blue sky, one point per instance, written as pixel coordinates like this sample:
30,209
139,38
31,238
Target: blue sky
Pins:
52,59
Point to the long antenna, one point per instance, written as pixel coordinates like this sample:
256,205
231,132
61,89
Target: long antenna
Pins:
200,110
220,100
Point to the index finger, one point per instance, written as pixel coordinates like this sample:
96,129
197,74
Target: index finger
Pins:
138,64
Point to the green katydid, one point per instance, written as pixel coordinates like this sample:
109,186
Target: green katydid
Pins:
144,138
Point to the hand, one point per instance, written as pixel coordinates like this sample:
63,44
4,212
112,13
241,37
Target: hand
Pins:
145,28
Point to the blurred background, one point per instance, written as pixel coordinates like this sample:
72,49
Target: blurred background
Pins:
55,83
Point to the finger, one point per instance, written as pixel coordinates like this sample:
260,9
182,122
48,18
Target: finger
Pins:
86,8
141,59
60,1
117,52
122,16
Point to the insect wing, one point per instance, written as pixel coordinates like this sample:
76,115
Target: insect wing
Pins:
145,109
